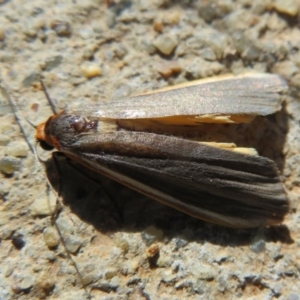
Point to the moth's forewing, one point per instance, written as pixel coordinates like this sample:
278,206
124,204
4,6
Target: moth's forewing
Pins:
209,183
232,97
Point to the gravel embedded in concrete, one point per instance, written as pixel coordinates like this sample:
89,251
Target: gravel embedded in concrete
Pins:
88,52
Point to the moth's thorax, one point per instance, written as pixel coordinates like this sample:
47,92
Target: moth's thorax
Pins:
63,129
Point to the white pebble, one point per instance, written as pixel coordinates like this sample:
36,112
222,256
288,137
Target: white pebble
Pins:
51,237
90,71
9,164
43,206
165,44
17,149
289,7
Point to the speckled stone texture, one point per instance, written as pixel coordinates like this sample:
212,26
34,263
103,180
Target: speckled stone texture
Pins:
125,245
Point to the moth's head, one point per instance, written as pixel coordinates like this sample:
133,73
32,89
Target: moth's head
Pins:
62,130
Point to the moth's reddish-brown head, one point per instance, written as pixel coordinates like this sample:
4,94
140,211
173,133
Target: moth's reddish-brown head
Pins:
62,130
44,134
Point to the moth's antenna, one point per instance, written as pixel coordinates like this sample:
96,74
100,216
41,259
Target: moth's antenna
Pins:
48,97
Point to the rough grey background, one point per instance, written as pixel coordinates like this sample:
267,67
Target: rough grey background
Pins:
88,52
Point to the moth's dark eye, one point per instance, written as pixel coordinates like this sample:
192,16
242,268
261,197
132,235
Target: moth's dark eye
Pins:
44,145
79,124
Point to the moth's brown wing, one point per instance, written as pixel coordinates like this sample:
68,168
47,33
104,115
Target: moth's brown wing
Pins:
219,186
255,94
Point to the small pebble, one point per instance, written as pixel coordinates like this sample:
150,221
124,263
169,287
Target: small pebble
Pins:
37,268
251,53
200,68
30,250
9,164
51,257
52,62
17,149
169,68
221,256
73,244
208,54
90,71
4,139
44,206
130,266
172,18
165,44
210,10
51,237
6,233
168,276
65,225
88,52
115,283
180,242
87,278
35,107
158,26
258,246
27,282
18,241
110,273
122,244
203,272
289,7
163,261
86,33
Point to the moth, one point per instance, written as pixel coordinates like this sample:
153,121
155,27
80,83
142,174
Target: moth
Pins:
147,143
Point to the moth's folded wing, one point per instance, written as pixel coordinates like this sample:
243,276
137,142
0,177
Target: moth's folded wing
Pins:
216,185
254,94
